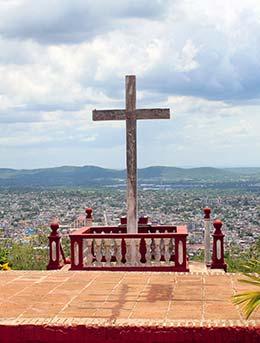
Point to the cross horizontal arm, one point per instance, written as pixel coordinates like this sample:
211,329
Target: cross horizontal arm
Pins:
146,113
108,115
153,113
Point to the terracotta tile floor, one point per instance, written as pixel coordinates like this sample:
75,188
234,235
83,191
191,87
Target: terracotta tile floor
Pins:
121,297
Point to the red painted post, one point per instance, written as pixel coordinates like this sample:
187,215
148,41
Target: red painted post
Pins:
185,258
207,212
72,254
180,257
76,250
218,247
143,220
176,252
207,224
89,216
123,220
54,248
80,243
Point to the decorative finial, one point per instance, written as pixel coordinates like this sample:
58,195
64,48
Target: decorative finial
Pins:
123,220
143,220
89,212
207,212
54,227
217,225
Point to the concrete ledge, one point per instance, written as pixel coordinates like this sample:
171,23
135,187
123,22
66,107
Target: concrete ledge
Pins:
135,334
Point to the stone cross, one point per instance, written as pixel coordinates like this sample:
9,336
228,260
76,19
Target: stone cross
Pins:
130,114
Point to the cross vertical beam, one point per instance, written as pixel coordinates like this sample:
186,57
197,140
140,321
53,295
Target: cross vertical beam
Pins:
130,114
131,156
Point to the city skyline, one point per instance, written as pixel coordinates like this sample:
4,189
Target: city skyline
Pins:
60,62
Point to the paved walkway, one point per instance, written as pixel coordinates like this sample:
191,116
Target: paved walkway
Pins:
121,298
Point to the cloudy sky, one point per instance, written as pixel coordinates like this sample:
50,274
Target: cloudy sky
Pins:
60,59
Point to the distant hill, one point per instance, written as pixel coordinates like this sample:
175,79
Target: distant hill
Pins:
97,176
177,174
244,170
60,176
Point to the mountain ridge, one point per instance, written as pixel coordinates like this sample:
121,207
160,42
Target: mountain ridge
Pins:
94,175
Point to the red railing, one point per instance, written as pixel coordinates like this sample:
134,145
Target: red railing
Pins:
154,248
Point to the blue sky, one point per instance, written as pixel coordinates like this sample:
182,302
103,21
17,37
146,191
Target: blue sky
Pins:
61,59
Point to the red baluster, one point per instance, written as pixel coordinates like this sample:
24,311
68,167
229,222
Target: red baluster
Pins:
80,243
123,220
207,212
207,225
89,216
76,249
143,220
218,247
176,252
54,248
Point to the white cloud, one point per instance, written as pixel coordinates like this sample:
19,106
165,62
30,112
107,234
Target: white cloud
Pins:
186,61
59,62
66,21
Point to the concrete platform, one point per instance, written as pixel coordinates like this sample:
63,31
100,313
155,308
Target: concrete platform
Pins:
133,302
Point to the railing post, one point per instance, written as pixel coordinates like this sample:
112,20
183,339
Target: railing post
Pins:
72,254
207,257
80,243
54,248
76,249
218,247
177,257
180,256
89,216
184,246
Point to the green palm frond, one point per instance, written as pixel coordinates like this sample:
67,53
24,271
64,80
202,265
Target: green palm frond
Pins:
251,282
250,301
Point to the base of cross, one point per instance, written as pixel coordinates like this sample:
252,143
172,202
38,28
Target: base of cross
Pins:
153,248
